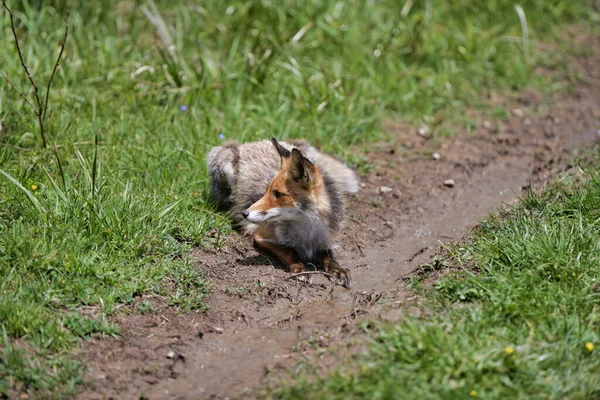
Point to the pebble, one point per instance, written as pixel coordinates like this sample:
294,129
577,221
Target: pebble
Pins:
449,183
488,125
527,121
424,131
385,189
436,156
171,354
517,112
556,120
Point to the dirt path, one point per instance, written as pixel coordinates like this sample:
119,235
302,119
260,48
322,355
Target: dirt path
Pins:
258,317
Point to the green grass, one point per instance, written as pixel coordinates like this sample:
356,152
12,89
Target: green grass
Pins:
529,286
118,220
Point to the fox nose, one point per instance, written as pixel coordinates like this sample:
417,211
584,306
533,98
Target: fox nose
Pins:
245,213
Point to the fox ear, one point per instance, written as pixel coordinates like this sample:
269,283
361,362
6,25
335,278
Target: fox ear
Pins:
283,152
301,169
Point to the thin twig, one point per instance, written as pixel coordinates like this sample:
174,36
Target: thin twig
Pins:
310,273
18,91
14,31
42,107
56,64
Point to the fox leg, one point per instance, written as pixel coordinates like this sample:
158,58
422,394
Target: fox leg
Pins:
286,255
341,276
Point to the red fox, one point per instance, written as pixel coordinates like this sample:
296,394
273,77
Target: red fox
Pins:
288,197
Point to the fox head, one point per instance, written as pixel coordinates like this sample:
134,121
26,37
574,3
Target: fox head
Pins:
291,193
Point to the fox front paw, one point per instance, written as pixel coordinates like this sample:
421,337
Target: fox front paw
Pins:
341,276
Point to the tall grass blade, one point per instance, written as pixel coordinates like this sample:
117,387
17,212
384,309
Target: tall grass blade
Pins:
524,28
95,164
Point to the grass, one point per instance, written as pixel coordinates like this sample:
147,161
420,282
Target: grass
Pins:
146,88
529,287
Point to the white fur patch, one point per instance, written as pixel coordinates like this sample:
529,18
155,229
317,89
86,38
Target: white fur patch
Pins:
258,217
275,214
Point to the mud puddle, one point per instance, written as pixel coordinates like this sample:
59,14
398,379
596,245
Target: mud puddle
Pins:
259,318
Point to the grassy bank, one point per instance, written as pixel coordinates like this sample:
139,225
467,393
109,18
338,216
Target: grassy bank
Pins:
519,320
146,88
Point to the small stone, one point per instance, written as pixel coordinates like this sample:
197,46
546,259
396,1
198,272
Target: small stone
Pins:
527,121
385,189
436,156
362,184
556,120
424,131
517,112
488,125
171,354
449,183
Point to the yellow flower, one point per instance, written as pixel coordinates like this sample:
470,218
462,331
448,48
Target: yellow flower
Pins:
416,18
473,393
33,187
589,346
509,350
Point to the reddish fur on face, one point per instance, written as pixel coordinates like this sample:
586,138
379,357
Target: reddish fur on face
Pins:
293,190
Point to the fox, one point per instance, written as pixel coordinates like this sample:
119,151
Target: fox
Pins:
288,197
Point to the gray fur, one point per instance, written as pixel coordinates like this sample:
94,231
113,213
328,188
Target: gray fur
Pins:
241,173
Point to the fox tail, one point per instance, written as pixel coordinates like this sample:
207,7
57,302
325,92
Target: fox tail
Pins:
223,169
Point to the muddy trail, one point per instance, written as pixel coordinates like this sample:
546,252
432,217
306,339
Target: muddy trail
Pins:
409,204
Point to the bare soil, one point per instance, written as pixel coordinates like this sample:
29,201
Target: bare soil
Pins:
260,321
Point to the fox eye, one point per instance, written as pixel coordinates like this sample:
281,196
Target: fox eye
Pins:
278,194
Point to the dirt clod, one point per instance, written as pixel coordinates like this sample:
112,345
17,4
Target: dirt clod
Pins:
531,97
